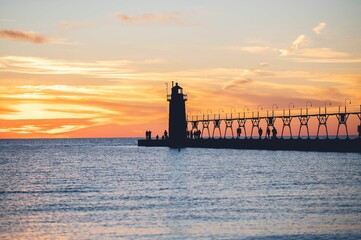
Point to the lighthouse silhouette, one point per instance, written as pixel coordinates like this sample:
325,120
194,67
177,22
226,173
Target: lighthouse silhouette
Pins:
177,117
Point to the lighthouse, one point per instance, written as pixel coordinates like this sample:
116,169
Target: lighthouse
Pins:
177,117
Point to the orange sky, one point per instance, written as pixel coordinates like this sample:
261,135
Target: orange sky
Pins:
83,73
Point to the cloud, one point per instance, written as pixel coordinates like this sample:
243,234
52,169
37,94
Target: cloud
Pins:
319,28
145,18
251,49
43,126
264,64
75,25
236,83
70,108
28,36
105,69
300,40
255,49
6,20
309,54
320,52
327,60
23,36
321,55
256,72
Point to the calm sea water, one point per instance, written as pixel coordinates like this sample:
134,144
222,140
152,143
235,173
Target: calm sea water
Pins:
111,189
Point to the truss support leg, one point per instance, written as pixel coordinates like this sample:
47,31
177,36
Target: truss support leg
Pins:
342,120
286,123
228,125
217,124
304,122
242,124
255,124
322,121
205,125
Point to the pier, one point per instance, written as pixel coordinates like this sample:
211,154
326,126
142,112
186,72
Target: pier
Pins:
300,116
186,130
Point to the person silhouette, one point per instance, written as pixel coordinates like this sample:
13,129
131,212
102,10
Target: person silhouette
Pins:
165,134
268,132
260,131
274,132
198,134
239,131
157,137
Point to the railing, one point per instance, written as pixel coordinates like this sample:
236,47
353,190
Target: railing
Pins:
349,109
185,97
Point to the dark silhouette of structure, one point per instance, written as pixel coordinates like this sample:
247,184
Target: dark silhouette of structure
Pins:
268,133
260,131
177,117
274,133
179,135
148,135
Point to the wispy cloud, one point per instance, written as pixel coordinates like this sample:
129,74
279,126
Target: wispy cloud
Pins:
319,28
327,60
145,18
316,55
24,36
264,64
75,25
298,42
251,49
42,127
236,83
29,36
320,52
36,65
295,45
6,20
320,55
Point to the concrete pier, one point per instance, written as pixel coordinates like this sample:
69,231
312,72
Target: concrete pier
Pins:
319,145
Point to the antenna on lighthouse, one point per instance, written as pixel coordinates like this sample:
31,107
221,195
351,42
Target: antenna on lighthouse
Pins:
166,88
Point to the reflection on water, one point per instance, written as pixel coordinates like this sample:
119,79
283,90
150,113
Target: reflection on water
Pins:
110,188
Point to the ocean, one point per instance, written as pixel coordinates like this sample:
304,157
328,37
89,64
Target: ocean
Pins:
113,189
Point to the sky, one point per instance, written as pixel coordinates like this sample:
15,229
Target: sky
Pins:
91,68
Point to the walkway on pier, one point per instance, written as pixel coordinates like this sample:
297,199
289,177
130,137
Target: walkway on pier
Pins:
342,113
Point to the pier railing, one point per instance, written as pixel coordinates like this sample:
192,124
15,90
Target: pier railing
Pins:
292,112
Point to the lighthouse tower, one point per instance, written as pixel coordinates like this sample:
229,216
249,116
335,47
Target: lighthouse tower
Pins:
177,117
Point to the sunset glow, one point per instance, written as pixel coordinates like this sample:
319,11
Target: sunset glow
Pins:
99,68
